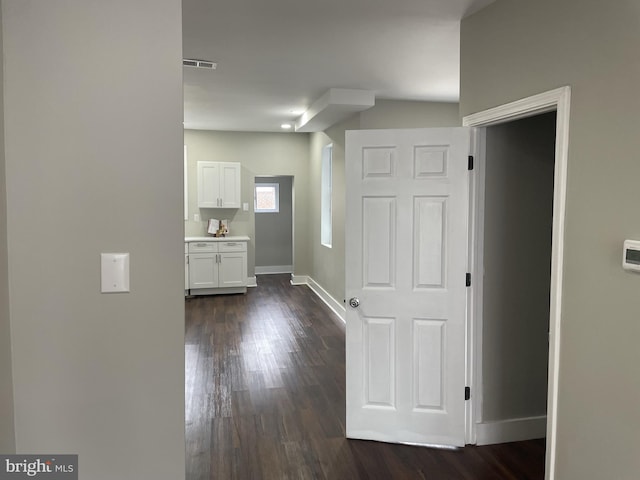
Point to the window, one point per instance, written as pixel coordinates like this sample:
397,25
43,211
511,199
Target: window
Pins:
186,189
267,198
325,194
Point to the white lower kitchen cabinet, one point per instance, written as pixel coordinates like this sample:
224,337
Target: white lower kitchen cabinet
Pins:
217,265
203,270
233,264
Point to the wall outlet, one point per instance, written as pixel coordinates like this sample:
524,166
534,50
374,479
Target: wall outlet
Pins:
245,207
196,217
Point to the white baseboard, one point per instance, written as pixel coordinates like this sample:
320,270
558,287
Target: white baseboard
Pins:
194,292
512,430
274,269
299,279
332,303
252,282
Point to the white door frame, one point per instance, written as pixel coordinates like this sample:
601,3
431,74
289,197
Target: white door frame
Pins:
555,100
253,280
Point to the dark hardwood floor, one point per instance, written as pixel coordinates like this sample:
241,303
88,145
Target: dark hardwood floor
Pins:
265,399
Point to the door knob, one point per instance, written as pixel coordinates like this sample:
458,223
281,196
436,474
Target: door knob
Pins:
354,302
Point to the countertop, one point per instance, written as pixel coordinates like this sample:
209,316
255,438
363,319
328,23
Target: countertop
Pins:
239,238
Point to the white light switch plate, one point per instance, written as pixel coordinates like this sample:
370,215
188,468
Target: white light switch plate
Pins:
245,207
114,272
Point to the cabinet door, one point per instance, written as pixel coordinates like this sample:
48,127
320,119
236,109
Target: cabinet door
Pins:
233,269
203,270
208,184
230,185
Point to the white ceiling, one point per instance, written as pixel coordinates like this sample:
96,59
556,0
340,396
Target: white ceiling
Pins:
276,57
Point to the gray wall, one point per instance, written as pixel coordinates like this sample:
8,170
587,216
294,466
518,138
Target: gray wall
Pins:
93,145
514,49
260,154
405,114
328,263
7,434
274,231
517,267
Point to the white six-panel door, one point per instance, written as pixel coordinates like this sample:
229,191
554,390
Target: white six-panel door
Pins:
406,262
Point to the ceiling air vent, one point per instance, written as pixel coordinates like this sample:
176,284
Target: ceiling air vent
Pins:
192,62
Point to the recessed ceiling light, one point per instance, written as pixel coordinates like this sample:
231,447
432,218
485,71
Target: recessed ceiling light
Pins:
285,126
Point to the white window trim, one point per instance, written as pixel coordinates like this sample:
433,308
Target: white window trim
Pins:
186,185
276,186
326,192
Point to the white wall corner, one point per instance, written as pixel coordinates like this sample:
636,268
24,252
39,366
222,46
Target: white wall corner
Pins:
252,282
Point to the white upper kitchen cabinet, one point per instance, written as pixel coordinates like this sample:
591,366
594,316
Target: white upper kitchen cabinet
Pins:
219,185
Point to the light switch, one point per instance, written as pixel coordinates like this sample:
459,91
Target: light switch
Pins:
114,272
245,207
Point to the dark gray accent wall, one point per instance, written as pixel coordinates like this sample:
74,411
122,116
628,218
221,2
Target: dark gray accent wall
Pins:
517,267
274,231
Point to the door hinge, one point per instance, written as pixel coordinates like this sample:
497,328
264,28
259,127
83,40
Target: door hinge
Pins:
467,393
470,165
468,280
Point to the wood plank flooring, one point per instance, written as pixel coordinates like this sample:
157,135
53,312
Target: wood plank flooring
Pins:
265,399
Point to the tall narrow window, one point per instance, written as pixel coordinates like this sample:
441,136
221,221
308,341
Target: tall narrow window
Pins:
325,208
267,198
186,189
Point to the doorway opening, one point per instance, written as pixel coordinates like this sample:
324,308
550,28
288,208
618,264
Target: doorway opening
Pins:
515,220
273,224
557,101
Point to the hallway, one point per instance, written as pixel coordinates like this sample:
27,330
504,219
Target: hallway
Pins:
265,390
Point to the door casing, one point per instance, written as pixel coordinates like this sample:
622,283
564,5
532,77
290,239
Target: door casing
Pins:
557,100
